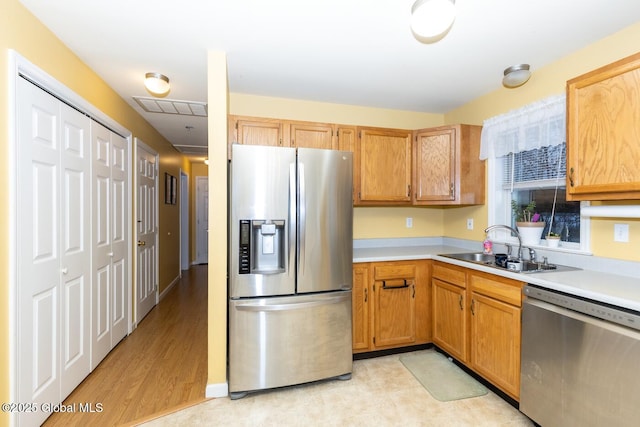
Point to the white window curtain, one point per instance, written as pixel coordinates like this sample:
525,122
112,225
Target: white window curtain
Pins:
536,125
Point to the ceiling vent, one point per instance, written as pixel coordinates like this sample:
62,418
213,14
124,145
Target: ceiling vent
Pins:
172,106
192,149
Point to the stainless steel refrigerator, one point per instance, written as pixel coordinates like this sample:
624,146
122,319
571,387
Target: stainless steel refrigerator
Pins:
290,266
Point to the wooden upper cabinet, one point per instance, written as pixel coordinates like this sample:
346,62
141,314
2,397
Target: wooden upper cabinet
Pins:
255,131
346,136
312,135
382,174
435,153
603,133
447,168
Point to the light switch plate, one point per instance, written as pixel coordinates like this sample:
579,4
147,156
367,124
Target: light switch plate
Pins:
469,223
621,232
409,222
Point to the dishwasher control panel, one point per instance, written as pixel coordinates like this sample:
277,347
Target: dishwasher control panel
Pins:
604,311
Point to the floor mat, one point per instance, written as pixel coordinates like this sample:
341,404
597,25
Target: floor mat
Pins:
441,377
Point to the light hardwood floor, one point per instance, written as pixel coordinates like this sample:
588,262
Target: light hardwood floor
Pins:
161,365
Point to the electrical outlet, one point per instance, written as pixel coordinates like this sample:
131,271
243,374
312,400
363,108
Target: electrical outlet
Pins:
621,232
469,223
409,222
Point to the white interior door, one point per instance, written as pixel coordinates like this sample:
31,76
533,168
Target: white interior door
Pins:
53,244
147,229
202,219
184,221
102,205
38,248
75,219
110,293
120,241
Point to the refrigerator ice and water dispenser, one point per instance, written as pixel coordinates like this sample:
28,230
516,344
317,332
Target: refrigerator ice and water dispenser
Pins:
262,246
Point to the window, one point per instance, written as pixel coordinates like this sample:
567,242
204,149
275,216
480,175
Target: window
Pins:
526,156
539,175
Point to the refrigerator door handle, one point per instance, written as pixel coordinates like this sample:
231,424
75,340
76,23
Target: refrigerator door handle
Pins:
292,306
303,222
292,218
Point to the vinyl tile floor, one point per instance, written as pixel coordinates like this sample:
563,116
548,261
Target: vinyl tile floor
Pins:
381,392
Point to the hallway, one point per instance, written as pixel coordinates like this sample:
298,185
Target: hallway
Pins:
161,365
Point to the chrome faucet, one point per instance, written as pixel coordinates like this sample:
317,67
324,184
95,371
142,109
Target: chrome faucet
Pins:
513,230
532,255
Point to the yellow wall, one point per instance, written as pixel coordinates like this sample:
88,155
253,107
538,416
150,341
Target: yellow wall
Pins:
217,303
22,32
293,109
546,81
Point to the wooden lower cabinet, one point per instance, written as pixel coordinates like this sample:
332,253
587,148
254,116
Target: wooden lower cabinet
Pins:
477,320
391,303
495,308
495,342
360,307
450,319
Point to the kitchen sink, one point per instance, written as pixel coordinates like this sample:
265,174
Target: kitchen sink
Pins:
481,258
527,266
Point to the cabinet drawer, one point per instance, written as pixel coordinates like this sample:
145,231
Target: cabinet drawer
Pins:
505,290
450,274
399,271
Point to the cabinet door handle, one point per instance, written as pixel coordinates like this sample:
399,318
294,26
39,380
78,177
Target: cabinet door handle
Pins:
473,312
409,190
413,288
451,190
571,176
460,301
366,295
404,285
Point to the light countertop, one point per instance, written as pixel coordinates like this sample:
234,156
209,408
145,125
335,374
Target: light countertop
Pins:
622,291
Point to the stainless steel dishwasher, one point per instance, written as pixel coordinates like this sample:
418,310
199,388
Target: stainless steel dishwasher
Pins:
580,361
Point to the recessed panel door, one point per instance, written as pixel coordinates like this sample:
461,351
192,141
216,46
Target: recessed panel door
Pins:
38,245
147,229
120,240
102,254
202,219
75,251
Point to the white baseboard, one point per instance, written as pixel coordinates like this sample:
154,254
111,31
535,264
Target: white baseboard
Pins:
168,288
217,390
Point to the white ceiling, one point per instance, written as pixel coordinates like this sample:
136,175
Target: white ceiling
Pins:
357,52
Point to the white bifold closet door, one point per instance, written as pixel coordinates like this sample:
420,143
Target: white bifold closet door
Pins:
110,297
72,240
54,248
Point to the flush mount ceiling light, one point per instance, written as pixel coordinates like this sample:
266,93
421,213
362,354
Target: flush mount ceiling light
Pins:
157,84
516,75
431,19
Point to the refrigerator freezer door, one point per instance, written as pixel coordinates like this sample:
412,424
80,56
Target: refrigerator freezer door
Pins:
276,342
263,197
325,220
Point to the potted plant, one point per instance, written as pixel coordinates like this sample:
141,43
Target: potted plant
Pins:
553,239
528,222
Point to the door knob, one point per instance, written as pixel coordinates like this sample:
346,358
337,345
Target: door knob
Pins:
64,270
141,243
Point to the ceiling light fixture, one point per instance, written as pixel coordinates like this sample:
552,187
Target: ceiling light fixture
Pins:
157,84
431,19
516,75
